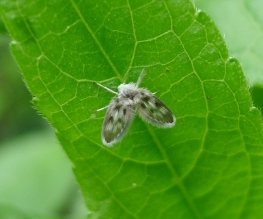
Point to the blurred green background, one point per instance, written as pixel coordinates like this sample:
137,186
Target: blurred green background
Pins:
36,179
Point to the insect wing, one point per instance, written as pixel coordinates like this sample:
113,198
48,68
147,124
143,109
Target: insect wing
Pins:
154,111
117,121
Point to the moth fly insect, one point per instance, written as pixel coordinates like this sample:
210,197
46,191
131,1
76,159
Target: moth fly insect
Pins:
129,100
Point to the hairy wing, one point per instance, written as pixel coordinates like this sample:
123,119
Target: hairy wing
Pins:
117,121
154,111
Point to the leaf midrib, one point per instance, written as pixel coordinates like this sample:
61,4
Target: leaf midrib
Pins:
156,140
96,40
176,178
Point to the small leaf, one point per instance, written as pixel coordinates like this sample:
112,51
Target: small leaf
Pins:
208,166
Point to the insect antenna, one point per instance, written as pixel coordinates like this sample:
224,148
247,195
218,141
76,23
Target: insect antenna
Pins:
106,88
142,74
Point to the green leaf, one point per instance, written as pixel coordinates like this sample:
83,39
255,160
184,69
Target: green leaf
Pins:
208,166
241,24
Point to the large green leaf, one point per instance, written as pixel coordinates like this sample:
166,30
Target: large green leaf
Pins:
208,166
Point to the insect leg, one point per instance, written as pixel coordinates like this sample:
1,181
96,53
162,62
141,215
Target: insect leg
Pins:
103,108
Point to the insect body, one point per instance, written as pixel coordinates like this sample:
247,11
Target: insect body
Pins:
130,100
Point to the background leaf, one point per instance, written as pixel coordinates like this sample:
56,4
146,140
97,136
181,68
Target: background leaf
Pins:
31,185
242,27
208,166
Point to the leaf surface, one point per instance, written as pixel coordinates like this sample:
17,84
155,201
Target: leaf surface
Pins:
208,166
